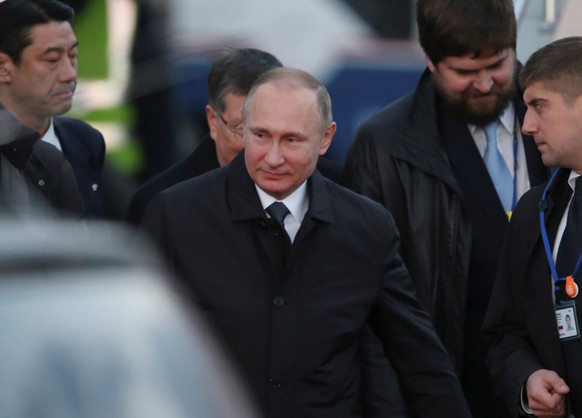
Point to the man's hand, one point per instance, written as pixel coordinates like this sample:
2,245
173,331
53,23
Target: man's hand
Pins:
546,393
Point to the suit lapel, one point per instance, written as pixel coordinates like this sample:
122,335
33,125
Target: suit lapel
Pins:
539,272
70,147
557,200
80,157
245,207
241,194
320,212
471,173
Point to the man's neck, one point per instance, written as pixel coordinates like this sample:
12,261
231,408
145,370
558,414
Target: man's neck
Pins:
40,125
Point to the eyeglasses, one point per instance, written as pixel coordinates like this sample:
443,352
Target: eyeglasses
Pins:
236,130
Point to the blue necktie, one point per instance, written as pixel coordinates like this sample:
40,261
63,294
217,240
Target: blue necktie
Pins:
278,211
502,178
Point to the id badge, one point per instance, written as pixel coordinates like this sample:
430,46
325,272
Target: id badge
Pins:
567,320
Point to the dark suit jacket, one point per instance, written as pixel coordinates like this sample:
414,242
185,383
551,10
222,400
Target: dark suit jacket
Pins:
201,160
84,148
294,328
520,321
51,182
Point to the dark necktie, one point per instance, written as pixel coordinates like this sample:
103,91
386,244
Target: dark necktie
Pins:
278,211
568,254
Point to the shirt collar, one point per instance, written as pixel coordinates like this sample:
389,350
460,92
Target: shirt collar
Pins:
51,137
297,202
572,180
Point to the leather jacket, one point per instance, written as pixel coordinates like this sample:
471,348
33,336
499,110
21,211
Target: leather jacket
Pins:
398,159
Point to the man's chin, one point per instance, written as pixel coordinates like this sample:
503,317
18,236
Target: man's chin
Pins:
479,113
480,109
482,116
62,108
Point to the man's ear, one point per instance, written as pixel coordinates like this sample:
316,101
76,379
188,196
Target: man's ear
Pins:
212,121
431,65
327,137
6,64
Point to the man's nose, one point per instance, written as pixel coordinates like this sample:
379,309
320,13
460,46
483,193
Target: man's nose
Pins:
483,82
274,155
68,70
529,126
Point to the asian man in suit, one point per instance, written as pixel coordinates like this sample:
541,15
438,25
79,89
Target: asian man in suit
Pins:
38,77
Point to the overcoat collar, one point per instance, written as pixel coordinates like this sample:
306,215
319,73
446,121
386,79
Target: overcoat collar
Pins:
245,205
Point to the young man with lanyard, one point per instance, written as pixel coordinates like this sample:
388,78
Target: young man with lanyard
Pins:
534,358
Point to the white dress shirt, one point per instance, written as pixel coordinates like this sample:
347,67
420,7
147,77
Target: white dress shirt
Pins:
508,130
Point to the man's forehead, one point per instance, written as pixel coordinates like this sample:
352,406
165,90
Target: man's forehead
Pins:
535,89
473,61
233,102
52,34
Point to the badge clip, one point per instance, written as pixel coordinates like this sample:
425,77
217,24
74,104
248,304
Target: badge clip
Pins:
571,287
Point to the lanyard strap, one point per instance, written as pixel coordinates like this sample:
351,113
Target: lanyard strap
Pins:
546,241
514,198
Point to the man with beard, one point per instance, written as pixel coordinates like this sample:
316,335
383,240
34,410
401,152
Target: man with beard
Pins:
449,161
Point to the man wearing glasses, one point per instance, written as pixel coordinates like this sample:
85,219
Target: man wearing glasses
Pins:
229,82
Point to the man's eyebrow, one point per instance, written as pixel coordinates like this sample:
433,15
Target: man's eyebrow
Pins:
59,48
498,62
535,100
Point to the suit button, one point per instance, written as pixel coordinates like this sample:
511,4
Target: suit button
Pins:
275,383
278,301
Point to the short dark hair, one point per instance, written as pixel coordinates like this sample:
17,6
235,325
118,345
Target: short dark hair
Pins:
296,78
17,17
454,28
558,66
235,71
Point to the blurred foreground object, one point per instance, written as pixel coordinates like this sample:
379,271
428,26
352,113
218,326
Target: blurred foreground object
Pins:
90,327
